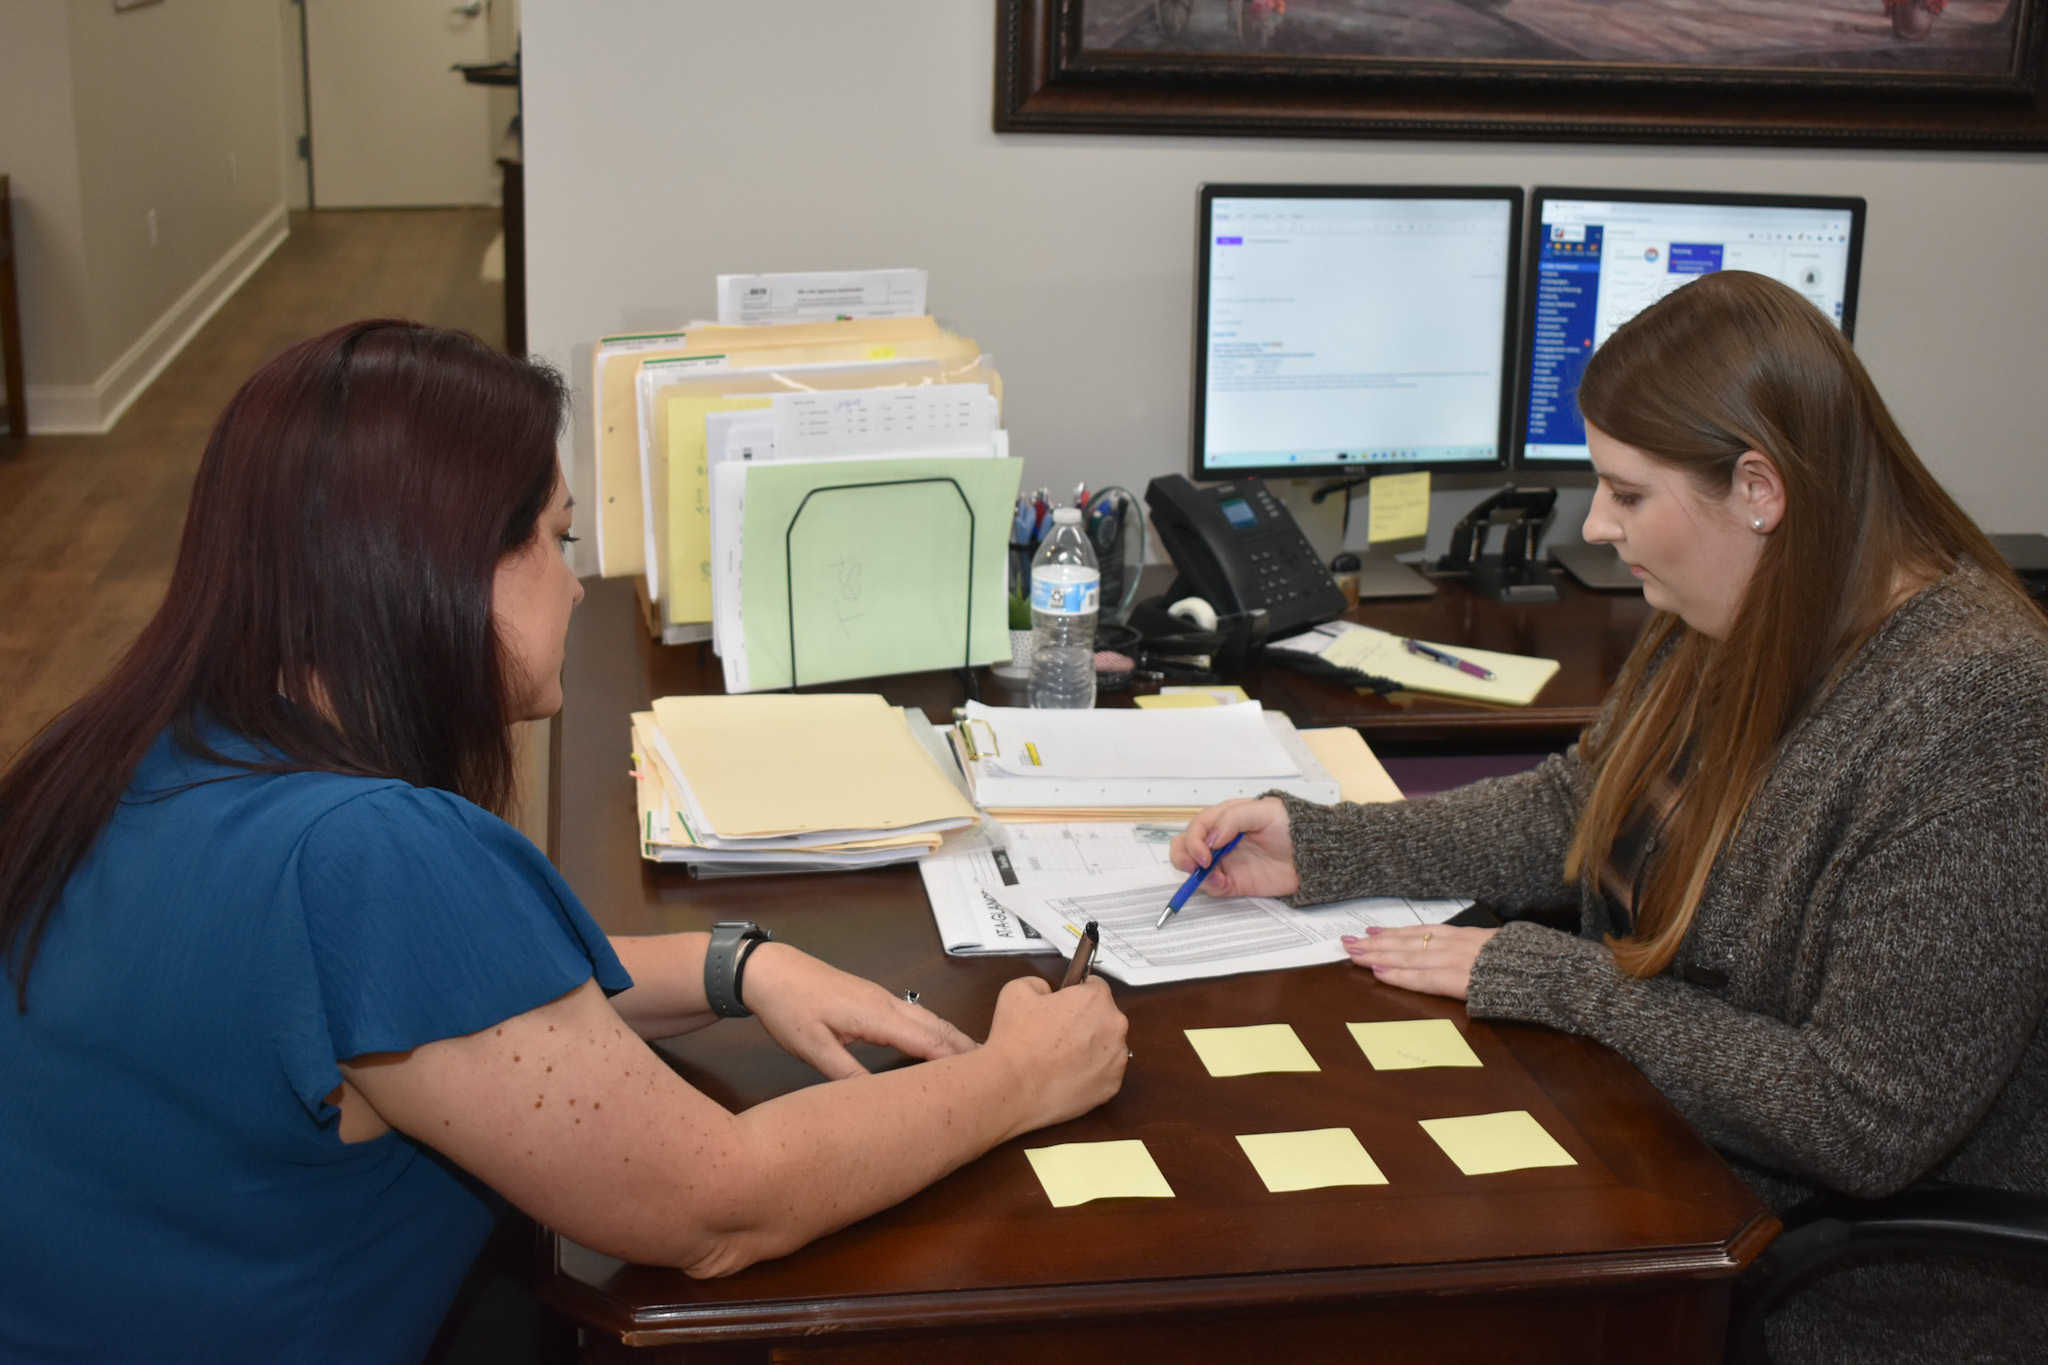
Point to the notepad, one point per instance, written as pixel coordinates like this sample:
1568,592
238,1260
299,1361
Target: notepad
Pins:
1311,1160
1406,1044
1250,1050
1483,1144
1516,680
1077,1172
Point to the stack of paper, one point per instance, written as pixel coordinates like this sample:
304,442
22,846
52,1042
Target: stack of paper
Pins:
1026,764
788,782
654,392
968,879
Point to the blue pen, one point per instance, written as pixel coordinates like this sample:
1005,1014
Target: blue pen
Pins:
1187,888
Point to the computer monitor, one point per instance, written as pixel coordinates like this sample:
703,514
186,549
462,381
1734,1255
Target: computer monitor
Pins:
1348,329
1599,257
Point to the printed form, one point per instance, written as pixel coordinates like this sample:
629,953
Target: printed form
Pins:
1213,936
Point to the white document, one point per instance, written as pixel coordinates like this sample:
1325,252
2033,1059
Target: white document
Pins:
962,880
1199,776
821,296
1204,741
931,419
1211,936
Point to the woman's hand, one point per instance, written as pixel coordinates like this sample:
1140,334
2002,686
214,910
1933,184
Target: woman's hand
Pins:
1435,959
813,1010
1263,865
1067,1046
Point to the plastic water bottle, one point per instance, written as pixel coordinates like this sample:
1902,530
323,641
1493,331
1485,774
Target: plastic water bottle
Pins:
1066,592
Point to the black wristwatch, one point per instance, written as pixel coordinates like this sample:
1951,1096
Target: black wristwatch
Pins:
725,963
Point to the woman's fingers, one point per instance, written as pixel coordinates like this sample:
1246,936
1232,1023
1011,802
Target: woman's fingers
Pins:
1434,959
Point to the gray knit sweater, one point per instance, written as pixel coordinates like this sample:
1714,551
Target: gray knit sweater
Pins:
1858,1003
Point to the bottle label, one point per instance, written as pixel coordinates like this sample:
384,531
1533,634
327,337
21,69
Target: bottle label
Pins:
1065,598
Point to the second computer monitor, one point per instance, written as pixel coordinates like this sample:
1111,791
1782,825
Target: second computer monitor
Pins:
1349,328
1599,257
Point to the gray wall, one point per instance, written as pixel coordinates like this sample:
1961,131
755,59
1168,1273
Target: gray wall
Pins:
667,143
104,117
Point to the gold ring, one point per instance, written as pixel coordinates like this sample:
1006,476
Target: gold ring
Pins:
1427,937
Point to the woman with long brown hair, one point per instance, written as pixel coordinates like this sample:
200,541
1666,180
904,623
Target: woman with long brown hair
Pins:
1805,841
287,1002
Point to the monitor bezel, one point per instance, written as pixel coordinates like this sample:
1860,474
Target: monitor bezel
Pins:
1525,329
1512,195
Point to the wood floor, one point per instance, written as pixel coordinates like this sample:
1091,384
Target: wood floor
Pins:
89,525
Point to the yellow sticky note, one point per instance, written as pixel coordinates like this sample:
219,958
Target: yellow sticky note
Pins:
881,353
1404,1044
1399,507
1485,1143
1177,698
1252,1049
1076,1172
1311,1160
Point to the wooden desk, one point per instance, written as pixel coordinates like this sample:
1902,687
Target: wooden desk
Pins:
1626,1256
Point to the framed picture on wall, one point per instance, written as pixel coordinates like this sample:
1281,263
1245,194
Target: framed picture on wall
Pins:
1844,73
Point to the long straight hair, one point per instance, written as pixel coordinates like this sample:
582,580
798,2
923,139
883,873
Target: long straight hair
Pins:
331,599
1733,363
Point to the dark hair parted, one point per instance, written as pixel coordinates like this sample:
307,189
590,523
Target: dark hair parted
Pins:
331,599
1732,363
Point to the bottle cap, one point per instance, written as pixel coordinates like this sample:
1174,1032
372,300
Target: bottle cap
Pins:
1067,516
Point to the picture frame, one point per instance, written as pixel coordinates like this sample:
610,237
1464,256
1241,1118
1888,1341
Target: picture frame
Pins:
1815,73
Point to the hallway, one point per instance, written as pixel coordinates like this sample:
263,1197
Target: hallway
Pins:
89,525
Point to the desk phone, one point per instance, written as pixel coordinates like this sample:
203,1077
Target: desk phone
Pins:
1238,546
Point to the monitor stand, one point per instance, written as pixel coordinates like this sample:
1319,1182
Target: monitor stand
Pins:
1596,566
1386,576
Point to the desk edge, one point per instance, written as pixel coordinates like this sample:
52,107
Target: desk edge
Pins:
1210,1295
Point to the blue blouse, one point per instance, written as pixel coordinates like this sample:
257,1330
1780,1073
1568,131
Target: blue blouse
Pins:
173,1185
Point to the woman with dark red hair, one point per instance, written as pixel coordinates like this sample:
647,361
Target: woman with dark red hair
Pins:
289,1002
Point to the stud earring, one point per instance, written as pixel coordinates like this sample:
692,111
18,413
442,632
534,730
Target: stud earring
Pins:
1757,524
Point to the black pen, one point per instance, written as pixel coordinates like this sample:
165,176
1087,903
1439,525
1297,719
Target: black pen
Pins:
1084,955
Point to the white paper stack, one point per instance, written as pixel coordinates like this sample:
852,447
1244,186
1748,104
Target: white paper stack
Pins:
789,783
1117,764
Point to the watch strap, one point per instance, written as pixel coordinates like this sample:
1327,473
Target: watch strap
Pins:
725,963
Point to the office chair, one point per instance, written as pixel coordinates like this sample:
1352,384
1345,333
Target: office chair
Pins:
1932,1217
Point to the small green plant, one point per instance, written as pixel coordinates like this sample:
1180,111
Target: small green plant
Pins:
1020,613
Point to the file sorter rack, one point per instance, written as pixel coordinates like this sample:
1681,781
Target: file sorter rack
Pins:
967,679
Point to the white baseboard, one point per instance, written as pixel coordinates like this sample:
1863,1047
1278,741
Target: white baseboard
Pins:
92,409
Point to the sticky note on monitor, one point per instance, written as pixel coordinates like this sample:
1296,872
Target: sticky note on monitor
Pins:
1406,1044
1483,1144
1398,507
1250,1050
1315,1159
1077,1172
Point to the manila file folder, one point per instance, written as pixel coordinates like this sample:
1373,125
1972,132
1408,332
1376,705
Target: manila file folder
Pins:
771,765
